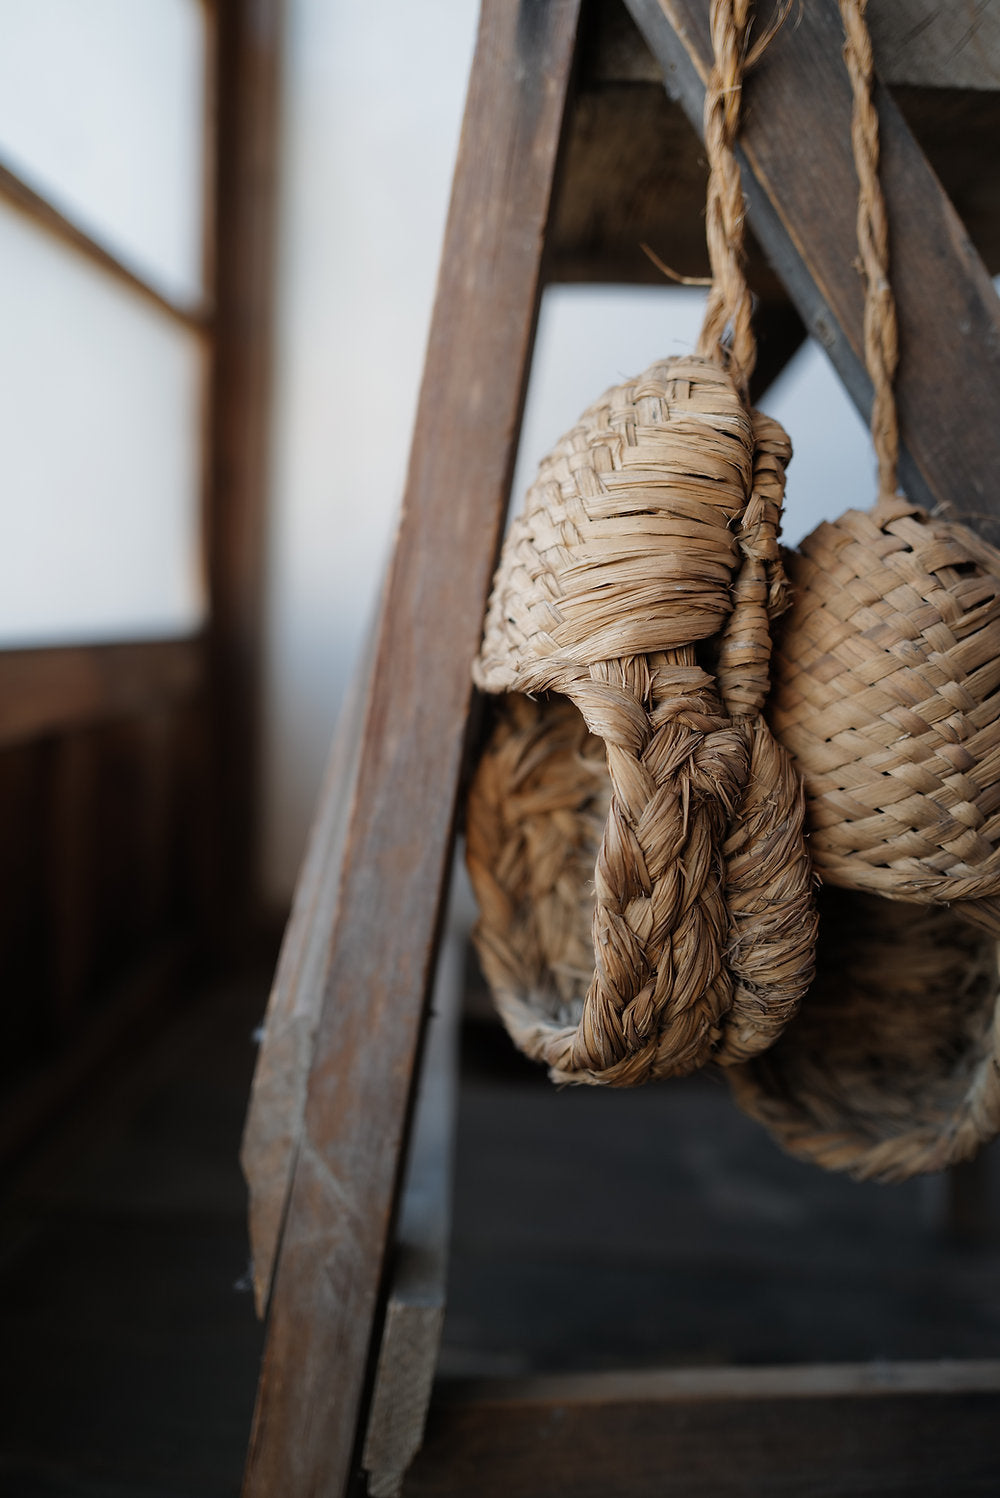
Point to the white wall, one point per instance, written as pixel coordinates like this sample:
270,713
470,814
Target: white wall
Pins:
374,98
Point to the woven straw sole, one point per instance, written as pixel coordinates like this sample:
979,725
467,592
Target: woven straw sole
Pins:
891,1066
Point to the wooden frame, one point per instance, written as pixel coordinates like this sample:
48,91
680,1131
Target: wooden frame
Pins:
176,716
327,1222
926,1429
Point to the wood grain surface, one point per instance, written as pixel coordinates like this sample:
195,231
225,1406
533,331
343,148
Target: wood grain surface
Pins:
857,1432
801,189
414,1315
398,846
58,689
278,1096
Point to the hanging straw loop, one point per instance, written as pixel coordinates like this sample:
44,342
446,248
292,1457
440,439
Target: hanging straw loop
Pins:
881,333
727,331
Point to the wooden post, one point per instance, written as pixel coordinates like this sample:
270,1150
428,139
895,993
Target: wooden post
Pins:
414,1315
398,844
248,49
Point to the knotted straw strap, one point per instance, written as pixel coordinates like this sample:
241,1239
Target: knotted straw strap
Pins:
886,678
645,562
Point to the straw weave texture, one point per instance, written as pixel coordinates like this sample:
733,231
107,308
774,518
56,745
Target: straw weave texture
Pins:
890,1068
885,691
639,583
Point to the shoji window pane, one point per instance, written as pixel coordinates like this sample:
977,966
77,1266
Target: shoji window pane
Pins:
102,106
100,413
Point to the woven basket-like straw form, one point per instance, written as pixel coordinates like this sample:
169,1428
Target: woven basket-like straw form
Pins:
890,1067
885,690
646,553
887,676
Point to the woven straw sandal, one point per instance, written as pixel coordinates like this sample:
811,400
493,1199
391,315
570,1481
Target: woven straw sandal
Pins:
639,584
885,691
890,1067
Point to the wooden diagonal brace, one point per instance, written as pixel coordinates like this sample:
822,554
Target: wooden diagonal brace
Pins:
799,178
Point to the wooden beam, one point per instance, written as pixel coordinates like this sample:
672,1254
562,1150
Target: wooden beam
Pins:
928,1430
613,196
15,191
941,46
398,848
918,43
414,1314
635,171
248,46
56,689
278,1096
801,189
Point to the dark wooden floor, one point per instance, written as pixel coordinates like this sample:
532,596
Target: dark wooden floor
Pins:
130,1342
593,1230
598,1229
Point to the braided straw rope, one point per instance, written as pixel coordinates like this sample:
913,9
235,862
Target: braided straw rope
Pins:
885,690
639,583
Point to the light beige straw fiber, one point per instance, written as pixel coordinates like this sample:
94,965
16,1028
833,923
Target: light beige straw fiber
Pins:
890,1067
885,690
886,677
635,842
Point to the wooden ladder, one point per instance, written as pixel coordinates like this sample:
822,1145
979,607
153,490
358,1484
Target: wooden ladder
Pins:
327,1133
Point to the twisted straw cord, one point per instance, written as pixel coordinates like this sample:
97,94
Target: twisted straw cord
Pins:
760,588
660,917
881,333
727,332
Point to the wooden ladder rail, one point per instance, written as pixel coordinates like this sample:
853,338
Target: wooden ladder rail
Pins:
398,841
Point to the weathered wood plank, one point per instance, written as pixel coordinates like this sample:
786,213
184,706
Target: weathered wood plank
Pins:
802,189
614,196
397,854
857,1431
414,1316
278,1097
940,46
248,41
920,43
61,688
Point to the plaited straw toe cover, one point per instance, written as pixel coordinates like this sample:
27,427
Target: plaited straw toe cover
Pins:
885,691
890,1067
644,890
885,678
